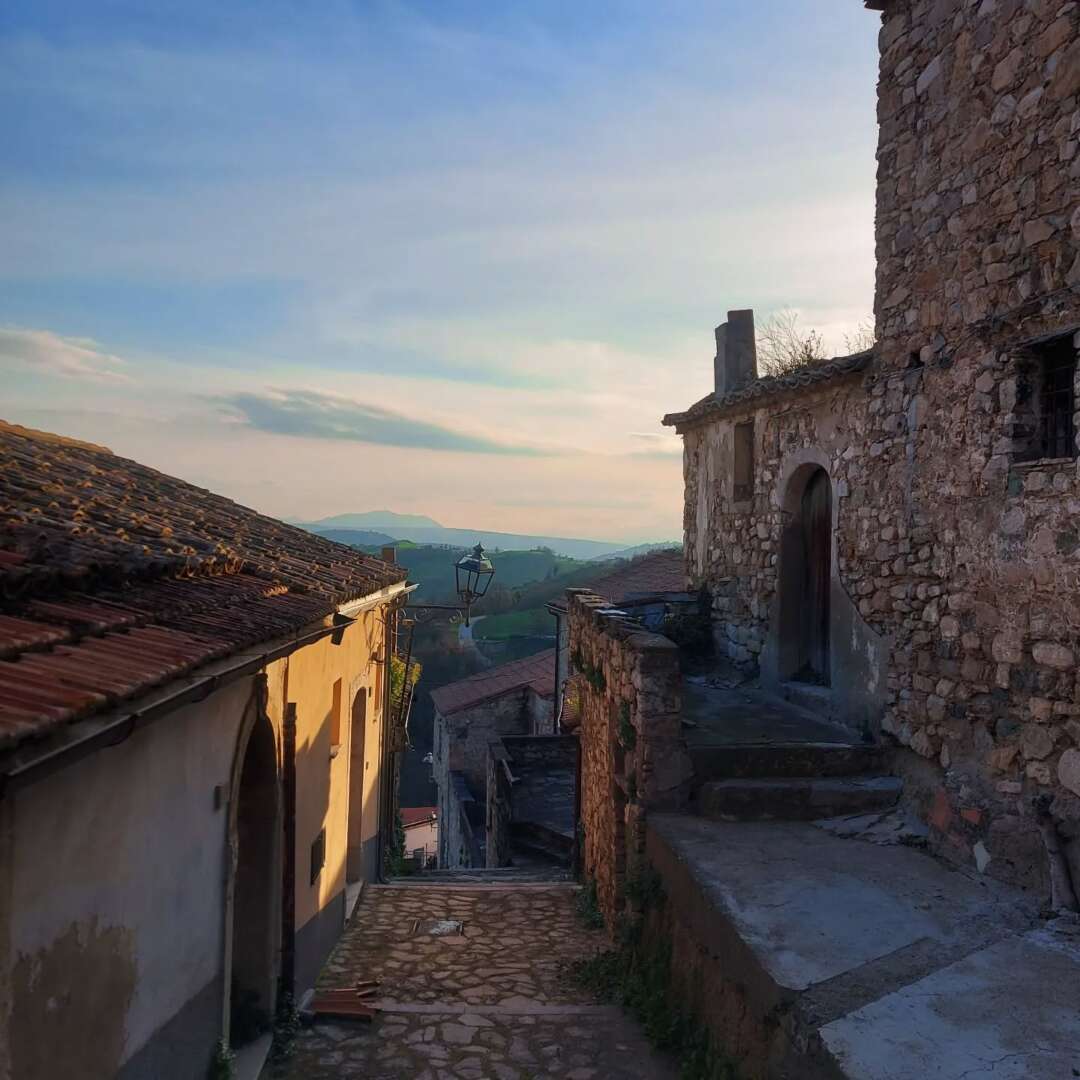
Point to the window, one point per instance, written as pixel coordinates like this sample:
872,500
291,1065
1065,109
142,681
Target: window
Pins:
335,718
744,462
1046,401
1058,404
318,855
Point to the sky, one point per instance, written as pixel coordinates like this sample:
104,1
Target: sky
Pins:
452,257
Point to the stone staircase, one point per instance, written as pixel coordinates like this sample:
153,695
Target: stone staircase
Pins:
792,781
534,842
758,757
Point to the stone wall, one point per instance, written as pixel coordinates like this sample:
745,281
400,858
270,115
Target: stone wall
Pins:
956,556
633,758
531,780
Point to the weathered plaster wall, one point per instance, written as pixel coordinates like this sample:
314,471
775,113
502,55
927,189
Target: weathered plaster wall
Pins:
118,875
633,758
116,880
959,558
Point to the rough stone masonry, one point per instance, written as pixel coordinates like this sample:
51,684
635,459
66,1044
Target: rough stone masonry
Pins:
951,493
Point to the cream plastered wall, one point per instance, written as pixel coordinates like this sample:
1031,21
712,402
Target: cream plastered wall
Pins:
117,891
113,870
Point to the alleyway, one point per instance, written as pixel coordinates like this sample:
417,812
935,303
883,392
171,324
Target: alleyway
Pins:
490,1000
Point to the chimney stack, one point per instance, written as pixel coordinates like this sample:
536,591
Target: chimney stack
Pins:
736,352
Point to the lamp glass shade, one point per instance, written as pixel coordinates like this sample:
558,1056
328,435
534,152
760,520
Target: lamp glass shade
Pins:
474,573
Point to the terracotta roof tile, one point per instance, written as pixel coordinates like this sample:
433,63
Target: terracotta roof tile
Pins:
537,672
653,574
115,578
770,386
417,815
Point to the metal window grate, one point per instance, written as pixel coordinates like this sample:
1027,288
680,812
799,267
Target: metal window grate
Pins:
318,855
1058,395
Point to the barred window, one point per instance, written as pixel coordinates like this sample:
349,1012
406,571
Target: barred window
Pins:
1043,423
1058,401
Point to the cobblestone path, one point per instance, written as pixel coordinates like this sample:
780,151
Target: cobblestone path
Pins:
488,1000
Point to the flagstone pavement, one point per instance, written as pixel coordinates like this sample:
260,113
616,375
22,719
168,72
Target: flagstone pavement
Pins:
487,999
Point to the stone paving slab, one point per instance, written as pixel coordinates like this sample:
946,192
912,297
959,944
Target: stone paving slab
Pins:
492,1001
1008,1012
812,907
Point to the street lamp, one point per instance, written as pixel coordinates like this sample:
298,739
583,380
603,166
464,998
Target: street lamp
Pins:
473,574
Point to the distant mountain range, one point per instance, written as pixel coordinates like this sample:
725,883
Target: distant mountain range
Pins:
384,524
372,519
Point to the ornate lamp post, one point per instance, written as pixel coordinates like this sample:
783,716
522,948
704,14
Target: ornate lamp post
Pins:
473,574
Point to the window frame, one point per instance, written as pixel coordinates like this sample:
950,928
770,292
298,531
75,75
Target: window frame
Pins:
743,462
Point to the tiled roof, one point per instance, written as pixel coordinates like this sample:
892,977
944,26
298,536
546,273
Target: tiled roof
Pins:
648,575
770,386
115,578
417,815
537,672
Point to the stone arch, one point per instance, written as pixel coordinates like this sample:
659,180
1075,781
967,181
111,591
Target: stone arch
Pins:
807,560
253,874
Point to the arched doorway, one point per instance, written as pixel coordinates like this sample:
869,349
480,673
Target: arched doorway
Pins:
806,578
354,857
255,888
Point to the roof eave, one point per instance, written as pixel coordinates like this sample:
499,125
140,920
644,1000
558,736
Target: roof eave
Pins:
767,389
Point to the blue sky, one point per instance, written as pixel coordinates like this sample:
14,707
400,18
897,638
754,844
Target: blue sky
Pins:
454,258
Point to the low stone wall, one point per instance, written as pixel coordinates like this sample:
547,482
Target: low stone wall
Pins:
633,757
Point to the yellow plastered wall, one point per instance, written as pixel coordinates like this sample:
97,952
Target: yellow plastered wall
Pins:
308,679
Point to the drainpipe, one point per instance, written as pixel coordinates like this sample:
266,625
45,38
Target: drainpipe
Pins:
288,870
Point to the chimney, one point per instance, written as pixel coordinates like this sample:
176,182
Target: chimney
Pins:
389,554
736,352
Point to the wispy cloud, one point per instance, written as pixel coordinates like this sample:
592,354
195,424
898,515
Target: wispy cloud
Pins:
51,354
315,415
657,444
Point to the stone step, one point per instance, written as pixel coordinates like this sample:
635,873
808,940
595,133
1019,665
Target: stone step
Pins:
786,798
793,759
544,836
815,699
506,876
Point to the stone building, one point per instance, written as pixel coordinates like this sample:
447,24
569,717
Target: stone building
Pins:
892,538
470,714
194,744
505,765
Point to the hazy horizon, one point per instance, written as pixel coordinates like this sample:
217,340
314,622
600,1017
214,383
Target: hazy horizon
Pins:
455,258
